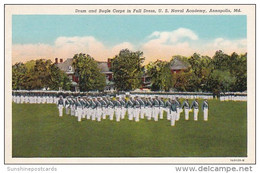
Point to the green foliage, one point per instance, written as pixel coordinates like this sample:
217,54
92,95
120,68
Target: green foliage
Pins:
39,74
221,61
127,68
18,76
58,79
184,81
90,76
221,73
161,75
238,69
220,81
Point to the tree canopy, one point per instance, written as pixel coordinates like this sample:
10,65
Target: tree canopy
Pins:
90,76
39,74
161,76
127,69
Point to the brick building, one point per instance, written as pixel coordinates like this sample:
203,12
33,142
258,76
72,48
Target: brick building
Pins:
67,67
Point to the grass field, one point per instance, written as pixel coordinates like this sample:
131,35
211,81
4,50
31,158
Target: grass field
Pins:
38,131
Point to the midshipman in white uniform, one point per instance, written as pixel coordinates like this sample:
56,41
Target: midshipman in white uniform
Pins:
195,105
67,105
60,106
149,113
137,108
99,109
161,107
111,107
142,107
168,107
72,107
87,108
178,107
205,108
173,112
83,104
156,109
78,112
94,109
186,107
118,109
123,108
130,108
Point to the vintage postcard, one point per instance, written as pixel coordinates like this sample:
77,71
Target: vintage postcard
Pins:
130,84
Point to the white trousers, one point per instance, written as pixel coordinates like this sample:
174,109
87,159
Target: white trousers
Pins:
123,112
67,110
196,111
22,99
79,113
161,110
168,114
186,110
93,114
60,107
130,113
149,113
205,114
136,114
111,114
118,114
178,114
104,112
142,112
173,118
156,111
99,113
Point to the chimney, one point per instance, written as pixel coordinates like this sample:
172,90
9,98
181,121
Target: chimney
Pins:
61,60
109,63
56,61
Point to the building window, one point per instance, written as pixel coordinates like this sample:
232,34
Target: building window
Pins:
70,68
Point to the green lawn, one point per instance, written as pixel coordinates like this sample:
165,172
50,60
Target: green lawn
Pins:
38,131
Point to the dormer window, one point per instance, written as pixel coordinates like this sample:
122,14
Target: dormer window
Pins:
70,69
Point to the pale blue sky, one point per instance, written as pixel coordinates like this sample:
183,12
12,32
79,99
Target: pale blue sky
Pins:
118,28
63,35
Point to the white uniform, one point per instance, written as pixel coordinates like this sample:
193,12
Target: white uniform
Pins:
173,118
186,107
111,110
205,108
60,106
195,105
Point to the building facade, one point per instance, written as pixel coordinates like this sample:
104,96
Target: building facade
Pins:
67,67
105,67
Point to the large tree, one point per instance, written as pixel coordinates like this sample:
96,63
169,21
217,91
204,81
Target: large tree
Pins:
238,69
39,74
19,71
161,76
90,76
58,79
127,69
220,81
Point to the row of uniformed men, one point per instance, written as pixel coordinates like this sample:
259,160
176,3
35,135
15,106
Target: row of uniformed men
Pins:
183,96
35,98
233,97
136,108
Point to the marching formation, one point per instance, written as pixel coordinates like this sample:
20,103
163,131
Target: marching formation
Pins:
134,107
98,108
